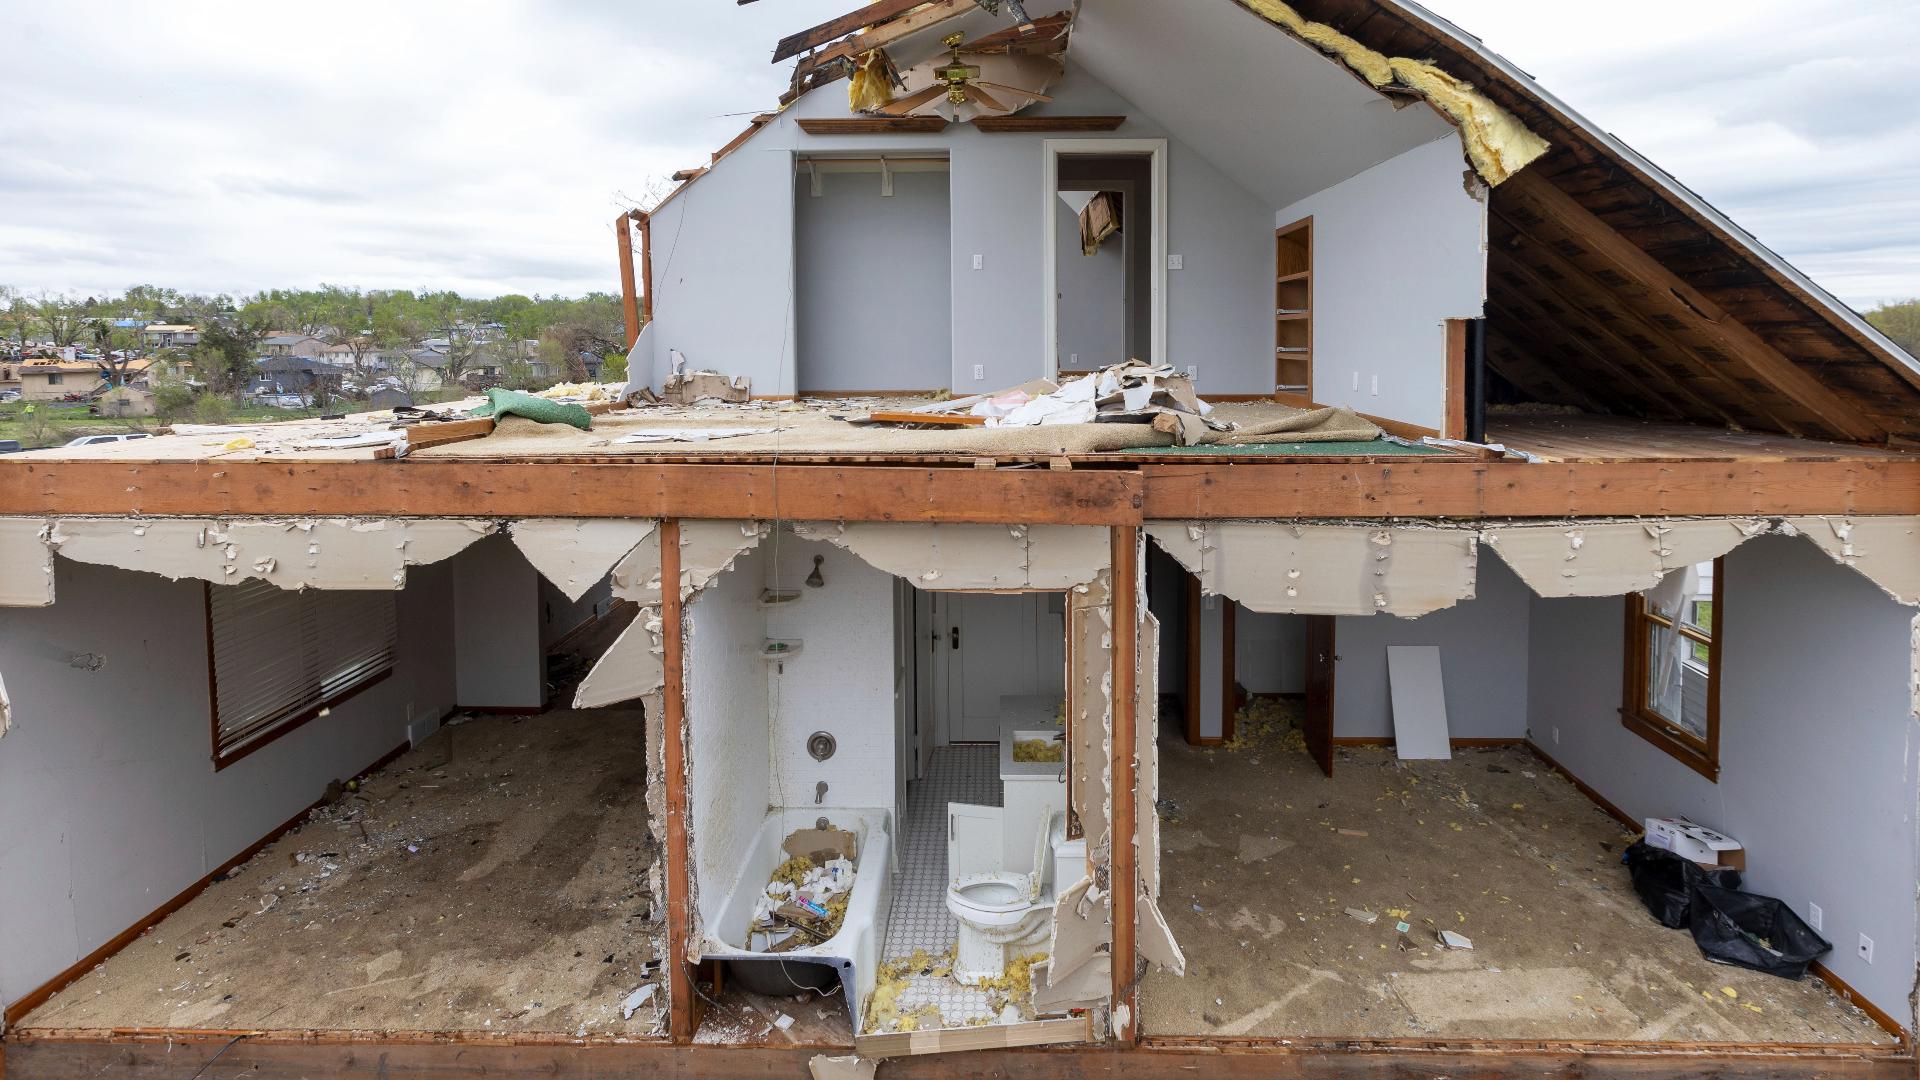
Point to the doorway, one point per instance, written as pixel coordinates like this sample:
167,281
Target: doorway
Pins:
1105,258
986,648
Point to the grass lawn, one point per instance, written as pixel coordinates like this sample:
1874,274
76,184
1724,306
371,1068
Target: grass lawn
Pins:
70,422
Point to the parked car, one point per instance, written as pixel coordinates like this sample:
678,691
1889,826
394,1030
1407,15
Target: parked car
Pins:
10,446
9,395
95,440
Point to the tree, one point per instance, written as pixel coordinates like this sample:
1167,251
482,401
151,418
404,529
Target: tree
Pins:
224,357
1901,322
63,318
16,315
116,347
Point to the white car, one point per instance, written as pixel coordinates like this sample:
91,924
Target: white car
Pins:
95,440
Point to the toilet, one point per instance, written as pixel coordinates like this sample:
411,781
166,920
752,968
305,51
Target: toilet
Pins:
1002,915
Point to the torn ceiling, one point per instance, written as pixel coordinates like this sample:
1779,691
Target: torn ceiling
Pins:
1321,569
574,555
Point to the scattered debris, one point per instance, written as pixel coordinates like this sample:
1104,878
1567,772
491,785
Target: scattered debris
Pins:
704,387
1455,941
636,999
1363,915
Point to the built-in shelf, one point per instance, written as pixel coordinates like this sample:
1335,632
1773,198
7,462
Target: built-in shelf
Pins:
778,597
873,125
780,649
1293,309
1029,125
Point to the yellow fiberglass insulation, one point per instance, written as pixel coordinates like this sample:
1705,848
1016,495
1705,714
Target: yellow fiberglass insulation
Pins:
1497,143
870,88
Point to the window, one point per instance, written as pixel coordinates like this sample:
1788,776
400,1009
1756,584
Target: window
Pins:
1673,666
54,378
280,658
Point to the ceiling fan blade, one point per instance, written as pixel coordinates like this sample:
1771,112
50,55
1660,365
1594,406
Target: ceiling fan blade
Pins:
914,100
981,97
1034,94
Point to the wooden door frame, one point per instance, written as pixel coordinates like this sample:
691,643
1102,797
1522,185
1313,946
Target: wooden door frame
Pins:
1051,150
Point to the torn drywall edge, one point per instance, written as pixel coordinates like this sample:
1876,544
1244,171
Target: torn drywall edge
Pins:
1884,550
1147,750
709,548
26,563
6,709
1613,558
575,554
633,666
1155,937
1326,569
304,553
971,557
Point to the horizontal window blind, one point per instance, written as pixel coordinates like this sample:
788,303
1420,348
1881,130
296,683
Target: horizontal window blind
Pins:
280,656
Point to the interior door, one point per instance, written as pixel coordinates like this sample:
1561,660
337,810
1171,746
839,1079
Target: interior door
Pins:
1318,727
990,646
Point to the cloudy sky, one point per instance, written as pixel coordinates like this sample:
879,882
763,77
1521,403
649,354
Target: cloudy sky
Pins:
486,145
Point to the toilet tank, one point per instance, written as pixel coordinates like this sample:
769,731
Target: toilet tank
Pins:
1069,860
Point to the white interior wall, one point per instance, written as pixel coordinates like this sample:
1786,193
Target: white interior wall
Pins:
727,711
873,286
1093,295
1269,652
106,779
560,616
496,627
842,681
1483,661
723,252
1397,250
1817,743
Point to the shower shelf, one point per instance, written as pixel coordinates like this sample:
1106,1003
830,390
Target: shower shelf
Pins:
778,597
776,649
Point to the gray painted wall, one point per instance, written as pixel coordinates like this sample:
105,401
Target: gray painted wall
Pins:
1270,652
1817,743
1397,250
1483,661
1093,295
498,660
723,252
107,782
873,288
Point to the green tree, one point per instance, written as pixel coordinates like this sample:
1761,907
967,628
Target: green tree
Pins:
1901,322
16,315
63,318
224,357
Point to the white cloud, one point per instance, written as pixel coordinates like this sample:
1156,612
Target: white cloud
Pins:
486,147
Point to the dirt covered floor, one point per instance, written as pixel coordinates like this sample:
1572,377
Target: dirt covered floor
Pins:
491,879
1263,856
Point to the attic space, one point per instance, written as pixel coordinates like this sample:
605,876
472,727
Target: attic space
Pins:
395,825
869,757
1339,790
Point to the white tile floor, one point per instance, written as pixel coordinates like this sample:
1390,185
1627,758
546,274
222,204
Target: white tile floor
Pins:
962,774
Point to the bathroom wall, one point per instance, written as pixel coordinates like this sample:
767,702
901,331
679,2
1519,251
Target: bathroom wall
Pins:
841,682
727,714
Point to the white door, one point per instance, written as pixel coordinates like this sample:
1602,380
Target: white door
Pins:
990,646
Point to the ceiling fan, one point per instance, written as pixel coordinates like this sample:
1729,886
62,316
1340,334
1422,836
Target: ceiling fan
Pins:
961,83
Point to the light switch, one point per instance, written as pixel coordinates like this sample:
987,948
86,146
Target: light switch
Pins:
1176,262
979,262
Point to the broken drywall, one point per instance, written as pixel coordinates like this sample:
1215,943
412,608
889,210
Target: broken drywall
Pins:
1886,550
1613,558
577,554
972,557
1292,568
1497,143
6,708
26,563
306,553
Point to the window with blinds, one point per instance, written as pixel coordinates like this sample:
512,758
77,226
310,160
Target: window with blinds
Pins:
280,658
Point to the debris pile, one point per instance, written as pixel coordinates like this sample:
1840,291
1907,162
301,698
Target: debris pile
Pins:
1135,392
804,903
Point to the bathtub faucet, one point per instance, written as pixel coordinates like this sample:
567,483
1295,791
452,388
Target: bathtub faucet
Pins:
819,793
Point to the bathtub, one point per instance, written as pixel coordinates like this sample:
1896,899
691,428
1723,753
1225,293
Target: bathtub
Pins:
854,952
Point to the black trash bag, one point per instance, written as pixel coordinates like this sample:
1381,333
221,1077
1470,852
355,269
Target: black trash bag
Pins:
1665,882
1752,931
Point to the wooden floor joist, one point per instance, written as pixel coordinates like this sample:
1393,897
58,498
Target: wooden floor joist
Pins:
1084,495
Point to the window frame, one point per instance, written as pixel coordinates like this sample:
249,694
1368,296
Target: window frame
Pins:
293,721
1702,755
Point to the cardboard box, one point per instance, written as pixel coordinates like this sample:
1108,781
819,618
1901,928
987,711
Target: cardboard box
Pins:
1695,843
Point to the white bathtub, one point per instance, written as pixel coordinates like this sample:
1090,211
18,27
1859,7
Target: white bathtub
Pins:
855,951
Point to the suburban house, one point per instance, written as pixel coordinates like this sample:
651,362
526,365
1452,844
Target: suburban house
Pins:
1141,537
292,345
170,335
52,380
293,373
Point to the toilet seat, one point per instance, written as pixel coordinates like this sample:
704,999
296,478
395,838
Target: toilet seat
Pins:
987,895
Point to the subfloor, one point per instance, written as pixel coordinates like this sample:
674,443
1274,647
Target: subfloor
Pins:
492,879
1263,856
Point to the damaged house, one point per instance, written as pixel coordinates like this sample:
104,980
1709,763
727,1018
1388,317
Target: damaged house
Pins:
1319,557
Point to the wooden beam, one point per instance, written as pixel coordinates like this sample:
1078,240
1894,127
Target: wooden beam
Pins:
1454,424
873,125
932,15
834,29
681,1019
1660,292
629,293
416,487
997,125
1124,869
271,1056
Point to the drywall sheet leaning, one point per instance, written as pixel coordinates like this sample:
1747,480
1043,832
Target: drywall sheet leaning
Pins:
972,557
1419,703
26,563
575,554
304,553
1613,558
1083,914
1151,934
1291,568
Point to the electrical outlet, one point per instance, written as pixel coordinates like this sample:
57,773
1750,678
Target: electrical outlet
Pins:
1356,382
1814,915
1376,386
1073,361
979,372
1176,262
979,262
1193,371
1866,948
